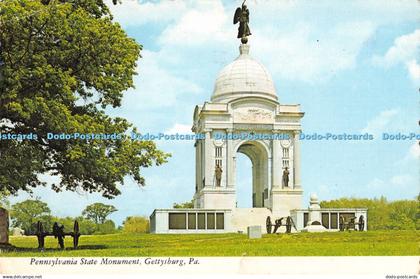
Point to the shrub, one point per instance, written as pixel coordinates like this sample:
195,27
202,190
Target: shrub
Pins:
108,227
136,224
382,214
86,226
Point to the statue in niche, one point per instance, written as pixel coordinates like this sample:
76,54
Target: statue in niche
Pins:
242,16
286,177
218,173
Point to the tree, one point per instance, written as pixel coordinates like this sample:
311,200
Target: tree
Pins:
27,213
382,214
62,63
86,226
108,227
136,224
189,204
98,212
4,201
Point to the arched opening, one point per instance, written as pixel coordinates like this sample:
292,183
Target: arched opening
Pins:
258,177
243,181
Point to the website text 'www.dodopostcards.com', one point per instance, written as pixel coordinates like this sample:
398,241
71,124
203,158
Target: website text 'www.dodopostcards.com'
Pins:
21,276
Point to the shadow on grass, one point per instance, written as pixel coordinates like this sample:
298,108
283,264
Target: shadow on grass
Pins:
81,247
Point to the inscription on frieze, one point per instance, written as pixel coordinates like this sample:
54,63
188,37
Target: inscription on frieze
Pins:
253,127
253,115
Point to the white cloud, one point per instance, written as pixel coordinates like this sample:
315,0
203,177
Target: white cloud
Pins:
413,70
305,53
402,180
405,48
307,59
136,13
413,154
180,129
203,23
396,181
378,124
376,184
405,51
156,85
315,48
391,187
414,151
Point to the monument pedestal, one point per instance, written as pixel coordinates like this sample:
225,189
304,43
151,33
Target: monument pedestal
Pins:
314,222
217,198
283,199
314,228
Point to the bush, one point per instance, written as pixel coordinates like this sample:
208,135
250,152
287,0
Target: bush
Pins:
86,226
136,224
382,214
189,204
108,227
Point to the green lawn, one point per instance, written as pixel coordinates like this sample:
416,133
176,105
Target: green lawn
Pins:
372,243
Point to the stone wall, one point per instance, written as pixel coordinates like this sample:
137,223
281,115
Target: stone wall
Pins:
4,226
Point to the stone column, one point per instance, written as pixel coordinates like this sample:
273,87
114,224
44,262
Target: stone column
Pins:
208,161
276,166
296,161
197,165
230,170
200,164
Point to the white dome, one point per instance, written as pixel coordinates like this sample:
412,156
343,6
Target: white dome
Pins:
243,77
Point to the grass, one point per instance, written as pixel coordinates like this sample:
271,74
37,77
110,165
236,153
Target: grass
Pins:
371,243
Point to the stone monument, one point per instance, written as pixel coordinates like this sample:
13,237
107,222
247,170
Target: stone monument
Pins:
314,221
254,231
245,115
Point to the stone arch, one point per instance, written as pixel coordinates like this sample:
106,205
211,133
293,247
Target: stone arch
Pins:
259,154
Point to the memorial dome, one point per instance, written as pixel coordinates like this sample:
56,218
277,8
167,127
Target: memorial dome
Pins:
244,77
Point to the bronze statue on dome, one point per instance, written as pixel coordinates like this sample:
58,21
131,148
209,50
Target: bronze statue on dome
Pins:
242,16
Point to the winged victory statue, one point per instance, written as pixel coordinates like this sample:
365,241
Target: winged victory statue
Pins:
242,16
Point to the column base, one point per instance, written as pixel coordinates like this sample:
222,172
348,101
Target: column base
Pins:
283,200
217,198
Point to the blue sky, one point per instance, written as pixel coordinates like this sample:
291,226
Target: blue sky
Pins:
353,67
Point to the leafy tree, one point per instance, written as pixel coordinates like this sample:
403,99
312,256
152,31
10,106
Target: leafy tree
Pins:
4,201
399,221
62,63
86,226
403,214
108,227
98,212
382,214
27,213
189,204
136,224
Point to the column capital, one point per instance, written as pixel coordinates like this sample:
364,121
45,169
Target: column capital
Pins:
297,132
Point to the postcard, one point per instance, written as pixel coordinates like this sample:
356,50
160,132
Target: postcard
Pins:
183,138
